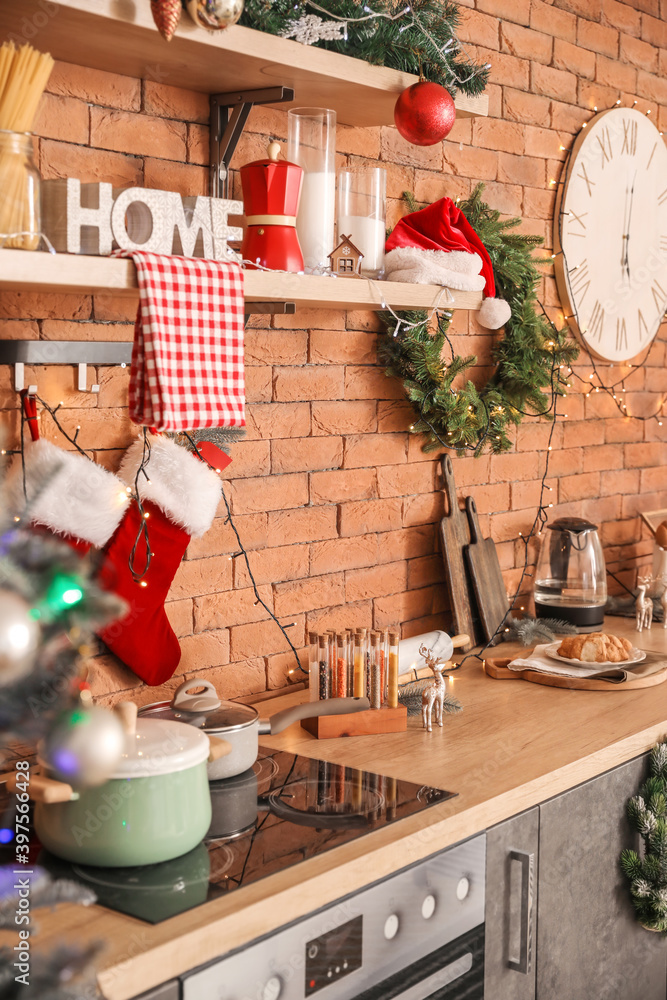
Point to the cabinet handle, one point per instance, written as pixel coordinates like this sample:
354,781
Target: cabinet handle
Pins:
527,862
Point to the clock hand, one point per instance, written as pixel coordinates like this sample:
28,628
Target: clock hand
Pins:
627,236
624,236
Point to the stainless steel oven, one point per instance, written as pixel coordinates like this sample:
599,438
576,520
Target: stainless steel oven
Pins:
416,935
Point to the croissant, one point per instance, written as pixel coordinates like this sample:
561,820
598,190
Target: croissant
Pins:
596,647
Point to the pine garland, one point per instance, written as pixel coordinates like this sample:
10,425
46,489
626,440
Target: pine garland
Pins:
418,37
527,359
647,812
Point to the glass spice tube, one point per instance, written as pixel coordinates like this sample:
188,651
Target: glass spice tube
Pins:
384,653
350,662
367,671
392,680
376,694
313,667
341,665
323,657
359,686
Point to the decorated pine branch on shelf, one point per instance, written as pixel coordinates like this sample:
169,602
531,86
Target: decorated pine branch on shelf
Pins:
417,37
647,875
531,358
529,631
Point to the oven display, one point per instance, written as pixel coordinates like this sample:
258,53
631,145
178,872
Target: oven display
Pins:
333,955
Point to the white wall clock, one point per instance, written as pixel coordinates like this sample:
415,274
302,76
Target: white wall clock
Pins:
610,234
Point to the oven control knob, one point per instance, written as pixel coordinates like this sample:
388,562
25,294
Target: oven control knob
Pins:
272,989
428,907
391,925
463,888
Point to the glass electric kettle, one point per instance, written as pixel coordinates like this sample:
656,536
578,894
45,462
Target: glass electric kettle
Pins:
571,581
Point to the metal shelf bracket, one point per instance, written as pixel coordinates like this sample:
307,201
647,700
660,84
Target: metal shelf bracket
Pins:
229,114
62,352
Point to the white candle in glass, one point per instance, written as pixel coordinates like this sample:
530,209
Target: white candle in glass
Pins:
315,221
361,215
368,236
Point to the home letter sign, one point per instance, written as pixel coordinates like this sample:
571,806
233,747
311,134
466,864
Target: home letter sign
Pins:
94,219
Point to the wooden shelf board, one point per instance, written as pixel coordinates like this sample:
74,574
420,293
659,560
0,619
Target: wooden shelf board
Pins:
122,38
26,271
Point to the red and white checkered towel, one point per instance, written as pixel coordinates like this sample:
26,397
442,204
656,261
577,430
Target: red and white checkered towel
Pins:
187,360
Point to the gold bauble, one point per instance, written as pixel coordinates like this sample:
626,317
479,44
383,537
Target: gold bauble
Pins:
215,14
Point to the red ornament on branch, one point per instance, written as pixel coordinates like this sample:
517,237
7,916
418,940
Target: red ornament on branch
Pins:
424,113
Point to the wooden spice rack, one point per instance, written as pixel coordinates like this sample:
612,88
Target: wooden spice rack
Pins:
369,723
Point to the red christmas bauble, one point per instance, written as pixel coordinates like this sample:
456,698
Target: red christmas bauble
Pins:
424,113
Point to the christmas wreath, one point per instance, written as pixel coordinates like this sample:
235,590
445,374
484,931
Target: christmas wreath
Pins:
647,812
530,359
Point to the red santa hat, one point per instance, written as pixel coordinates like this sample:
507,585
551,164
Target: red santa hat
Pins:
438,246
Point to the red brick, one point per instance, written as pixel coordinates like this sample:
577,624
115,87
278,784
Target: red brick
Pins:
597,37
526,43
429,187
183,178
529,494
364,450
654,31
639,53
95,86
518,11
645,454
200,576
492,133
559,23
424,571
505,198
278,420
377,581
288,562
424,508
309,382
509,468
351,346
305,595
478,28
174,102
654,88
365,516
574,59
612,73
566,118
583,433
306,454
276,347
343,553
553,83
619,480
585,8
394,415
528,108
525,170
495,497
336,487
349,417
408,543
348,615
622,16
579,487
137,134
469,471
309,524
362,141
653,480
62,118
250,496
258,387
510,525
365,382
471,161
238,607
506,70
230,682
395,149
61,159
180,615
623,429
220,538
200,652
263,638
197,143
399,608
404,480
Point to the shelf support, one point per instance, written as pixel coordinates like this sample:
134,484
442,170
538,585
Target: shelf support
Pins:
229,114
62,352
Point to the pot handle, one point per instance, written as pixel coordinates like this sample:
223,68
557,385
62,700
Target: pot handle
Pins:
41,789
127,713
218,748
205,701
311,710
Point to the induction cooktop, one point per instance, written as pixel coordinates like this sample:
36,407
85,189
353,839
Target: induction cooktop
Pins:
284,810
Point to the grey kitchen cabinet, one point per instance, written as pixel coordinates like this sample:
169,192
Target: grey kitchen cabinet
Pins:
511,908
589,943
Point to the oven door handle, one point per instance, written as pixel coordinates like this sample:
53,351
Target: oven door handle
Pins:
448,974
527,862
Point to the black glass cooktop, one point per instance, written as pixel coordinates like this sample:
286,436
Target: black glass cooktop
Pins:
284,810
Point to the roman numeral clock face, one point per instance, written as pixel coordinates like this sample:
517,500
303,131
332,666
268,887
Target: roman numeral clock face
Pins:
611,225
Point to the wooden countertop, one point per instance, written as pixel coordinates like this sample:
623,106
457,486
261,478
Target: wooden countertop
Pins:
515,744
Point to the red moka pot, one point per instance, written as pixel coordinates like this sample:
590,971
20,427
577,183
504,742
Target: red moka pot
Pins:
271,190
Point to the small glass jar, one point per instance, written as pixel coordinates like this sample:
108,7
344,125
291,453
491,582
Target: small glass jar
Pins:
362,209
20,216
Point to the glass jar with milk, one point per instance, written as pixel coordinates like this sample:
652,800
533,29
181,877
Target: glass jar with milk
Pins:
311,142
362,208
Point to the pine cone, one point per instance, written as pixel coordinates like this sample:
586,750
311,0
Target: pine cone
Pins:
166,14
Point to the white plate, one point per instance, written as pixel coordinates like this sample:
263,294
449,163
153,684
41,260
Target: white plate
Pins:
636,656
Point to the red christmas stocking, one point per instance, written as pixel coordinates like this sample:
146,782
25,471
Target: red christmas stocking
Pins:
180,498
67,493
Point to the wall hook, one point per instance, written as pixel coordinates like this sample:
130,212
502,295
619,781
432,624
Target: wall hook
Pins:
83,379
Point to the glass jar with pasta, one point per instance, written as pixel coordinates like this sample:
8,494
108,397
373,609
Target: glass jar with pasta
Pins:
20,220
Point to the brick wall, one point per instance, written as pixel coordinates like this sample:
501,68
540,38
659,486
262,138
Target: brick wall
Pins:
331,494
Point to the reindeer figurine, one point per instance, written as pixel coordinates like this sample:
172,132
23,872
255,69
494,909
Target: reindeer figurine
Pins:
433,695
643,604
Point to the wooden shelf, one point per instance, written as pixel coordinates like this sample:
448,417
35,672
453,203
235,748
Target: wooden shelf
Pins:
26,271
121,37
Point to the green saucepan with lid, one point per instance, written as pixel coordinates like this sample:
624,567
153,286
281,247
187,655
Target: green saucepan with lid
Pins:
156,806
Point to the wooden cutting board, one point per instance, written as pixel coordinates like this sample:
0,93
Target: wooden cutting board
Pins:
454,534
498,669
487,580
